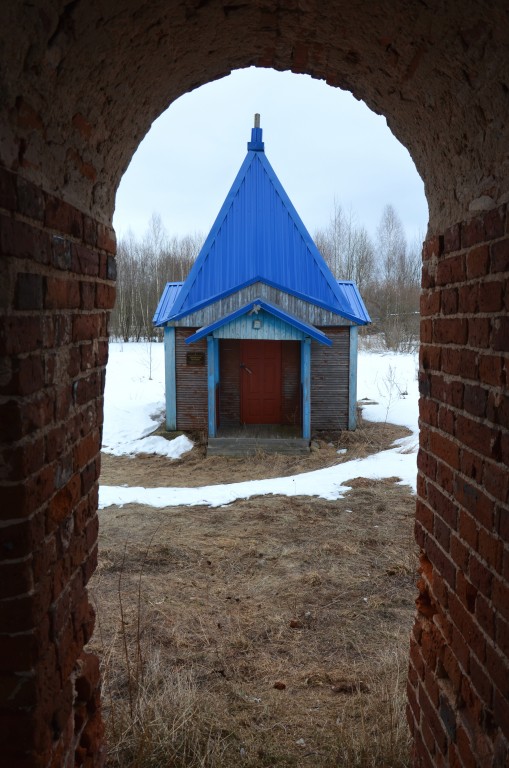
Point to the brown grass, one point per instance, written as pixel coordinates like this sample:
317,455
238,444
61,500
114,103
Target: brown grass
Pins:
272,632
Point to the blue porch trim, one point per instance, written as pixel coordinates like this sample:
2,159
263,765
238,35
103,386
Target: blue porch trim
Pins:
170,378
352,384
212,382
301,325
305,377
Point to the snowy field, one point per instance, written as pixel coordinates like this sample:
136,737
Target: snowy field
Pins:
134,408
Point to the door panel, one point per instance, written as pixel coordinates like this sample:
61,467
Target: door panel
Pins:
260,374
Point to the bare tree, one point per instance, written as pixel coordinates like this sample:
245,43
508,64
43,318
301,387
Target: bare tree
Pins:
395,298
346,247
387,276
143,269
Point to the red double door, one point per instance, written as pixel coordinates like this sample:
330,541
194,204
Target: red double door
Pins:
260,382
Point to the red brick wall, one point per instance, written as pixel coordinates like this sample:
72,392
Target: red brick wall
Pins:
459,672
56,288
57,269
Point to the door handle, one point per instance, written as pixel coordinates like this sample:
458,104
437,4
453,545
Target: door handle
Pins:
246,368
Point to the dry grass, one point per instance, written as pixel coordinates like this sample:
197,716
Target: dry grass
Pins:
195,469
272,632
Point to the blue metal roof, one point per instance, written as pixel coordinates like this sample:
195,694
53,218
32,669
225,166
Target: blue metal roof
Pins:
166,303
259,236
273,309
354,307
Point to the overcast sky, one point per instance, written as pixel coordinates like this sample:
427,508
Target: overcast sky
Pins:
323,144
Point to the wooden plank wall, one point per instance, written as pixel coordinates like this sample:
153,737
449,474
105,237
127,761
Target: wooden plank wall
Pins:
229,383
329,381
298,307
192,406
290,363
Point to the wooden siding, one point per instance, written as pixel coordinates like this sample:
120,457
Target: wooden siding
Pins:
192,393
290,363
329,381
229,384
298,307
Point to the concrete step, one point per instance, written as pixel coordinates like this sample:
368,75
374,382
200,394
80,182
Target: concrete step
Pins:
248,446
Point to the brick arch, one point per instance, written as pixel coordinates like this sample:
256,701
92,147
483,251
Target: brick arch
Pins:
81,84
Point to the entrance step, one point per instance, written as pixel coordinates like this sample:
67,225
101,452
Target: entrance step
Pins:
249,446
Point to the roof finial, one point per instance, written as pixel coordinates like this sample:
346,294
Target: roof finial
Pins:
256,143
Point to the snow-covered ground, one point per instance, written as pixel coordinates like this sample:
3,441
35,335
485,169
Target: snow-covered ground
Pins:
134,407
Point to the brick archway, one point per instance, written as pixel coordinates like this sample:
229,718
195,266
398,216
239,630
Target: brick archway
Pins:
81,84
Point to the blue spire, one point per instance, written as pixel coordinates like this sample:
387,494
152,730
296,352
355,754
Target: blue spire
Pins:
258,237
256,144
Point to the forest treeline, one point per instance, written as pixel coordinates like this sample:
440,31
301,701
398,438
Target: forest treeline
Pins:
386,270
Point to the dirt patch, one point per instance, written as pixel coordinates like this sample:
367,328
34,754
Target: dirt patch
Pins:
195,469
271,632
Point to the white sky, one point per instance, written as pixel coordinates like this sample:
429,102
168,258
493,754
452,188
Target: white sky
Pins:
323,144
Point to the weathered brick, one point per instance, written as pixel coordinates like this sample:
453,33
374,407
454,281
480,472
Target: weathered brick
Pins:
446,449
62,217
449,301
84,260
476,435
105,296
8,199
468,298
475,399
500,334
28,291
441,561
430,303
472,232
452,239
478,260
87,294
432,247
472,465
31,200
479,329
451,270
491,296
485,615
494,221
450,331
480,575
480,680
499,256
61,294
491,370
474,499
496,482
86,327
61,254
106,239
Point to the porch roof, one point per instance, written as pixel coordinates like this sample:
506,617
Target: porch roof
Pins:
301,325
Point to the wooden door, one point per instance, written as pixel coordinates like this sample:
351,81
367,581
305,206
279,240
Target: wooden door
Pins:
260,382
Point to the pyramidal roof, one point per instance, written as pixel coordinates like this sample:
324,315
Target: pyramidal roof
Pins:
258,236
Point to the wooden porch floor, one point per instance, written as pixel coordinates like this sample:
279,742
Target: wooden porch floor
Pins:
250,439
